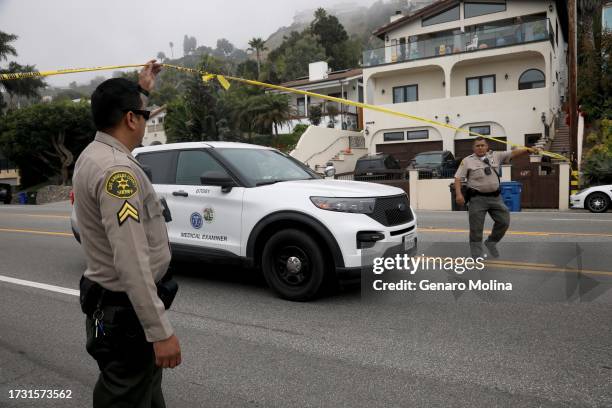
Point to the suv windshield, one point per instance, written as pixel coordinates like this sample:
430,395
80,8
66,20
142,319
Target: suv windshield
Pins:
262,166
367,164
434,158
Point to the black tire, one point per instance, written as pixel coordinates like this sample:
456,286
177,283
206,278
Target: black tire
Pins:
597,202
302,281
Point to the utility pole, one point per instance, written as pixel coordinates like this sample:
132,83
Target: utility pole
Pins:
572,83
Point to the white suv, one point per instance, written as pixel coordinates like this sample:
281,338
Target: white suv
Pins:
255,205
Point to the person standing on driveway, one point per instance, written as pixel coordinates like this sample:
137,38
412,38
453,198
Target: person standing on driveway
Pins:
124,291
481,170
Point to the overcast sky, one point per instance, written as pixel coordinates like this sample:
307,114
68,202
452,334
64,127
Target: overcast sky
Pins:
86,33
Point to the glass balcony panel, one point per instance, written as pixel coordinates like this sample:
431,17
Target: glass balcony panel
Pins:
480,37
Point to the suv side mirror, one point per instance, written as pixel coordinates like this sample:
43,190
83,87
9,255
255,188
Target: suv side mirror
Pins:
217,178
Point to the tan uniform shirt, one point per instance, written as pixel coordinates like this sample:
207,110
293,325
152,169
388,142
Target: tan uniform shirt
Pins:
473,167
122,229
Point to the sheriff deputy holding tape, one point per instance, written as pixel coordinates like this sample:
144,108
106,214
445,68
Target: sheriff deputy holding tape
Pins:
481,170
125,290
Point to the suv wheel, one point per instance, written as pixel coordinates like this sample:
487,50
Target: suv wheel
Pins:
597,202
293,265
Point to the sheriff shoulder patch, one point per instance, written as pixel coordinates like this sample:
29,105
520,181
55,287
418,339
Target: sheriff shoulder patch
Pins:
121,184
127,211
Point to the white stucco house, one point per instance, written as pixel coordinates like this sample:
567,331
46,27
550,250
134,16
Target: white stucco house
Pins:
344,84
154,132
497,67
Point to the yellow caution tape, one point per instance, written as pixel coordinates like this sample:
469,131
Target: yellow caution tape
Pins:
206,77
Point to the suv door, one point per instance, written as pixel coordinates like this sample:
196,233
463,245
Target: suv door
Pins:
204,216
161,166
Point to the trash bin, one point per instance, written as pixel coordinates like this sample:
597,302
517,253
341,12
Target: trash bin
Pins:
511,194
22,198
454,205
32,197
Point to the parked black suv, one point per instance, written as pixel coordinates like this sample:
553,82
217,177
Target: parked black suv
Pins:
377,166
435,164
5,193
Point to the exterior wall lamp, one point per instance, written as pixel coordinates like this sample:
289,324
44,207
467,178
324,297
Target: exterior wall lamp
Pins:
383,91
447,119
543,117
506,77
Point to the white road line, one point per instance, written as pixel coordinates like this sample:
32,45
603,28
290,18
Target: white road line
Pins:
38,285
581,219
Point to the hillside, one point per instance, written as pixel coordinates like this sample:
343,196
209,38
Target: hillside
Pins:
359,21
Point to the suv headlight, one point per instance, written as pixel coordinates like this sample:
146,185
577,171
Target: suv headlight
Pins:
350,205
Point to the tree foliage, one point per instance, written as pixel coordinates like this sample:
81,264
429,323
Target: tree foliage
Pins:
594,62
597,165
44,139
189,44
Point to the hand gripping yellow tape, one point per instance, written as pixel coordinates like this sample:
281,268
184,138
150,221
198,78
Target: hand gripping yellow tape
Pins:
223,81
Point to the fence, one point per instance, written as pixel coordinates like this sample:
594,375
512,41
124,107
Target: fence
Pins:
437,174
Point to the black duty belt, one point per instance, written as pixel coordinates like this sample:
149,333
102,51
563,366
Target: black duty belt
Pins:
475,193
94,296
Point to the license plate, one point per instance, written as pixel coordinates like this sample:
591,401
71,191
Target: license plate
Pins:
408,243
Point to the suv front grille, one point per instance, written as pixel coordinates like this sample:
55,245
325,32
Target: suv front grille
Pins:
390,211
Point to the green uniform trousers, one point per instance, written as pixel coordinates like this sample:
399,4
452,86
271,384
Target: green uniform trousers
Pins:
128,374
478,208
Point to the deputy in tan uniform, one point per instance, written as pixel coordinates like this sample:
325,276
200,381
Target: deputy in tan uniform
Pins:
125,241
481,170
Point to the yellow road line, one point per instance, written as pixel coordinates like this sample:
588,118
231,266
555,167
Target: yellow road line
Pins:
35,215
528,233
62,234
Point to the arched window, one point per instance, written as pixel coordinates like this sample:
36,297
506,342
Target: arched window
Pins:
532,78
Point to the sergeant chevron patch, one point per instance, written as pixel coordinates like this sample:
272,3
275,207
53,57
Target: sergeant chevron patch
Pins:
127,211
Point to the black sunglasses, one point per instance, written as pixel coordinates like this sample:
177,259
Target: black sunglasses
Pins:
144,113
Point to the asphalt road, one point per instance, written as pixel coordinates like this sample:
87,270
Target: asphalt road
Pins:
243,347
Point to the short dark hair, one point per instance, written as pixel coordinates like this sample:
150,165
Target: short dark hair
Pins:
110,99
479,139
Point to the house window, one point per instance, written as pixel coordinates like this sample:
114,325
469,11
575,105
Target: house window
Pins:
532,78
301,106
479,9
418,134
160,119
483,130
532,138
480,85
393,136
407,93
451,14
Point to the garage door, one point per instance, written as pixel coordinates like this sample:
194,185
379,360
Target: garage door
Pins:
463,148
404,152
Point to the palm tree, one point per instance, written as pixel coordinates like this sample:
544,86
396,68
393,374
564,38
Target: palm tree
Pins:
270,111
257,45
171,44
25,87
161,56
588,9
5,48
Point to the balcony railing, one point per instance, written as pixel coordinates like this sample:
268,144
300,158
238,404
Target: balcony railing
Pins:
476,40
